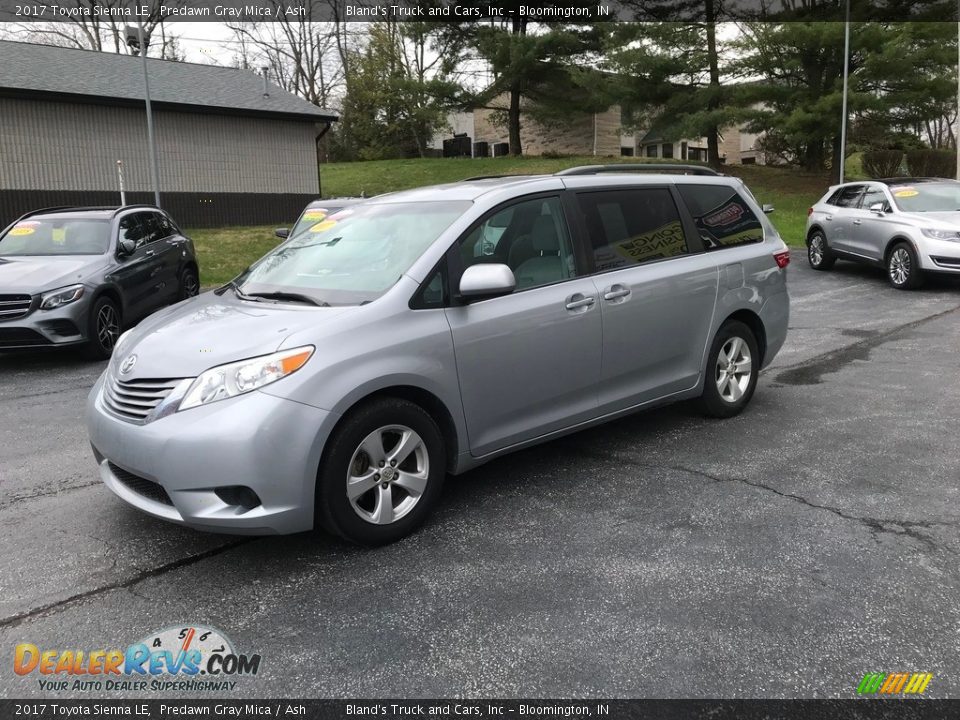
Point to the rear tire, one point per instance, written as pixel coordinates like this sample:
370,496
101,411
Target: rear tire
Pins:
732,368
381,474
903,269
189,284
819,254
103,329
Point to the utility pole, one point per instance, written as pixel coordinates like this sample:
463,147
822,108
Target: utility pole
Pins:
846,82
141,42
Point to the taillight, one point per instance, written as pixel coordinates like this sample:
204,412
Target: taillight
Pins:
809,211
782,258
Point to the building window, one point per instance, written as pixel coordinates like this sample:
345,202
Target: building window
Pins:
651,151
668,150
626,152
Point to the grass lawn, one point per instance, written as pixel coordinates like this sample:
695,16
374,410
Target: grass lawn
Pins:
225,252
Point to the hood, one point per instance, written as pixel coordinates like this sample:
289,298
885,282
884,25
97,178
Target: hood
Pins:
194,335
949,220
35,274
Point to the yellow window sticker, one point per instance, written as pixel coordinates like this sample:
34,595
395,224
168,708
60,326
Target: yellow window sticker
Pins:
24,229
315,215
906,192
665,241
322,226
58,235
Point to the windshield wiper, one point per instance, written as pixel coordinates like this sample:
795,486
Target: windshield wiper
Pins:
232,285
293,297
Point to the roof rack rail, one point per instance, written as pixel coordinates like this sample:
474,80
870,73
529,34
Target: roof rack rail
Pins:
641,168
494,177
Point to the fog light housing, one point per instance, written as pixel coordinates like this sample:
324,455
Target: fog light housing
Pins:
239,495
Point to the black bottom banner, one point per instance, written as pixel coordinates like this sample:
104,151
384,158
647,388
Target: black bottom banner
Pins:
855,709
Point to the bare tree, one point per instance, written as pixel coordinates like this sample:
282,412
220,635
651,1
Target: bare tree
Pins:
103,31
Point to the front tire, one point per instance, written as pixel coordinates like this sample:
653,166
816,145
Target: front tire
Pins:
103,330
732,369
381,474
819,254
903,269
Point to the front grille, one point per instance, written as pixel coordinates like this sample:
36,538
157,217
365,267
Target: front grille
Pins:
21,337
14,306
141,486
134,400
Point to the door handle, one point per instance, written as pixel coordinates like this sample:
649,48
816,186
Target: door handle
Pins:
829,217
148,253
577,301
615,292
857,222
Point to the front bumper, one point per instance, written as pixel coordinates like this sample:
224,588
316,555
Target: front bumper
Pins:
942,256
267,444
66,325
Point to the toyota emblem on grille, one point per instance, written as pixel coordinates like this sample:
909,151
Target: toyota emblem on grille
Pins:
127,365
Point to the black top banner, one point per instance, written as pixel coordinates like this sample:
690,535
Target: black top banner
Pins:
564,11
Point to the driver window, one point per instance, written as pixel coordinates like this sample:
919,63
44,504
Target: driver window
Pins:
530,237
131,229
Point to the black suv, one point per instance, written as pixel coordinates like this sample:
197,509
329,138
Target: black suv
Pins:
71,276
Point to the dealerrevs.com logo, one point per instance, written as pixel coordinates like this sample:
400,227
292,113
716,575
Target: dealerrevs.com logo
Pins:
895,683
180,658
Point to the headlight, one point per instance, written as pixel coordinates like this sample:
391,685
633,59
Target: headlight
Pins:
941,234
226,381
63,296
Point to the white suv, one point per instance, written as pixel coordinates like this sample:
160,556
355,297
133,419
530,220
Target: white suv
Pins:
907,225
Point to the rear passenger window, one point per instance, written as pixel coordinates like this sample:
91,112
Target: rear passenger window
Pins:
846,196
629,227
722,216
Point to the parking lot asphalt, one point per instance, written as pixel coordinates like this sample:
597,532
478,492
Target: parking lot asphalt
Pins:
783,553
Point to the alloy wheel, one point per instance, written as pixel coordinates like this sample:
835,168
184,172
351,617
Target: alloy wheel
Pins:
734,369
388,474
108,326
816,250
900,266
191,285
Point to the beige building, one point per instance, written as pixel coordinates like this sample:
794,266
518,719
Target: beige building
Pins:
599,135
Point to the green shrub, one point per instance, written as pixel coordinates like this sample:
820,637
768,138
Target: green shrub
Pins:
882,163
931,163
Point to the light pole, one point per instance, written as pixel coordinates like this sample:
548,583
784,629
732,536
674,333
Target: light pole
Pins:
140,43
846,80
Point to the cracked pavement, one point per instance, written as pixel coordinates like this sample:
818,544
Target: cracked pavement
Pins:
783,553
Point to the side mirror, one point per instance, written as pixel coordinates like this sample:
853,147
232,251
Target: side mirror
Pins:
487,280
878,208
126,247
282,233
767,209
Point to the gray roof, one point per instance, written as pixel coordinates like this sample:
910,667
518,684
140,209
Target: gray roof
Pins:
34,69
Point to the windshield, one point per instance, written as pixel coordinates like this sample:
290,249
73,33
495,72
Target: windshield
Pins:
352,256
311,216
57,236
927,197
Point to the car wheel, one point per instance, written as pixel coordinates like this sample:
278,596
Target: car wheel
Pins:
382,472
104,329
189,283
903,270
819,254
732,369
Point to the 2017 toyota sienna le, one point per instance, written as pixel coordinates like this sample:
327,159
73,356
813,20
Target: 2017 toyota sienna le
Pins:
337,380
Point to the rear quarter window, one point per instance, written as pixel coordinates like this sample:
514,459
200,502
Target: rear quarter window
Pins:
722,216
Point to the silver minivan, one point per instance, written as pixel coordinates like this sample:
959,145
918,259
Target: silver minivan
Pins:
339,379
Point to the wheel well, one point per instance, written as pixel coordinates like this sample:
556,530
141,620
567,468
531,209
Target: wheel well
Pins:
429,402
113,295
752,321
190,264
895,241
813,229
